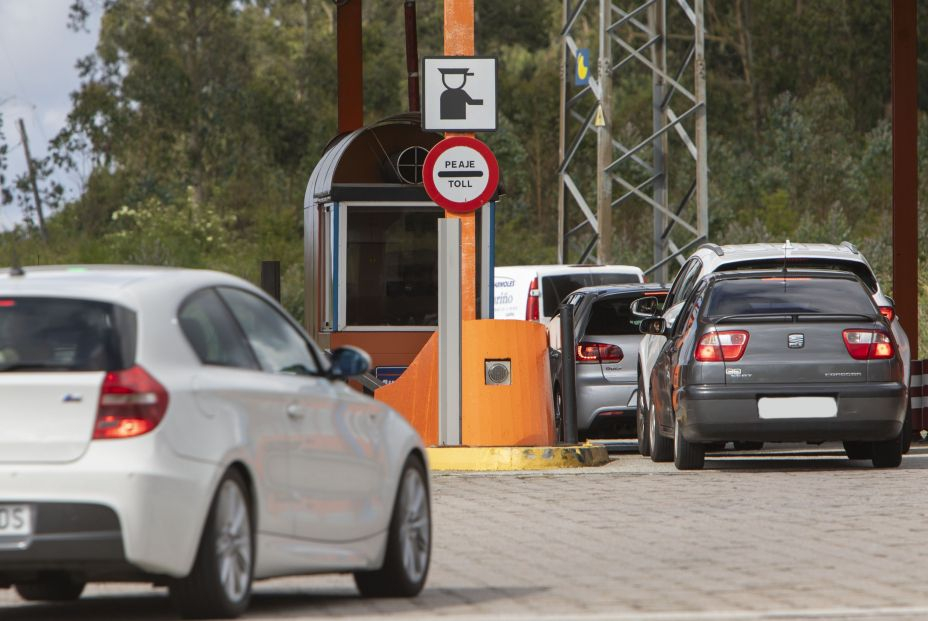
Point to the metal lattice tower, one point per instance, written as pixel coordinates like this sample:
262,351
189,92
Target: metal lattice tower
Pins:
657,40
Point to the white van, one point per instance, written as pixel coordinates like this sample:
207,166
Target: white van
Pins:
533,292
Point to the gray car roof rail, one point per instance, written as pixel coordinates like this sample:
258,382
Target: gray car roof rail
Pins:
850,246
714,248
803,272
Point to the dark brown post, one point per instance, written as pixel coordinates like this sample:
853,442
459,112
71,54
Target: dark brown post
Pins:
270,278
350,66
412,55
905,167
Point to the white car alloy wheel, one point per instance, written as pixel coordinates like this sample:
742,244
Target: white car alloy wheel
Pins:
409,540
415,530
233,541
219,584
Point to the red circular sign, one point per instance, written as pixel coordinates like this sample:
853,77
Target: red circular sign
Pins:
460,174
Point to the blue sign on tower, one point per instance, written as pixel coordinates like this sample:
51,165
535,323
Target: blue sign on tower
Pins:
582,68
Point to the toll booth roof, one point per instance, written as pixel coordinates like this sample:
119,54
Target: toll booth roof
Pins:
363,162
364,165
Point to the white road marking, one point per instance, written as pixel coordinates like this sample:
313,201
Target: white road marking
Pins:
792,614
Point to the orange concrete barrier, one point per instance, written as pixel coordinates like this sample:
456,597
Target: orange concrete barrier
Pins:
519,414
415,393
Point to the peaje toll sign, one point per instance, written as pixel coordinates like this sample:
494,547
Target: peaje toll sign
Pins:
460,174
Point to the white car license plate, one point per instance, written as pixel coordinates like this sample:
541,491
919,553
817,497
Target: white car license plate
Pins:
15,520
797,407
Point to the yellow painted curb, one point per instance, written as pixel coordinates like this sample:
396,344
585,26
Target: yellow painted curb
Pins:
495,458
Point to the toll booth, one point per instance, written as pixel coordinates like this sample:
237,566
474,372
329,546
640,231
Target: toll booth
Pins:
371,245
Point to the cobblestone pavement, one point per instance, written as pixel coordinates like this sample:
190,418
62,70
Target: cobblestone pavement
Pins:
788,534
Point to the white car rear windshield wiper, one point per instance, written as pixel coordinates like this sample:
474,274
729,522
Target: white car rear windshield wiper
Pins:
39,366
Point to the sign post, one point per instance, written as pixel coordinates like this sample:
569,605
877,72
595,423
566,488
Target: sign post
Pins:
449,332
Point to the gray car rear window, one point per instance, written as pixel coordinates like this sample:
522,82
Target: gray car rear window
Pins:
790,295
63,334
612,316
556,288
858,268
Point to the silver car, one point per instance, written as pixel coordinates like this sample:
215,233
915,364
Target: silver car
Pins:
607,338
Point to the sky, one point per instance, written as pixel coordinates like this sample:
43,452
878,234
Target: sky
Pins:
37,75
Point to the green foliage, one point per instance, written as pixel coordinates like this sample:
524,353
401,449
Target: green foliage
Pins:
152,233
201,121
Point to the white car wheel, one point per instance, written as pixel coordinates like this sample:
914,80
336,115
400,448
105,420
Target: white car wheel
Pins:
409,540
219,585
233,541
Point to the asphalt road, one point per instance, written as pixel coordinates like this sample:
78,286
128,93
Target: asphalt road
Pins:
795,533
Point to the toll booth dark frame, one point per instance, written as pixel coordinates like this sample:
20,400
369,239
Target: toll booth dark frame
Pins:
370,245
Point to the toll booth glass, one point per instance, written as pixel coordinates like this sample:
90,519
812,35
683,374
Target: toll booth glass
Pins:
391,267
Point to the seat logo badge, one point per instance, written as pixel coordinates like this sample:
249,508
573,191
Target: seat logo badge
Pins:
796,341
72,398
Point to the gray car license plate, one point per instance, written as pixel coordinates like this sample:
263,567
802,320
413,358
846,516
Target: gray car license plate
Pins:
797,407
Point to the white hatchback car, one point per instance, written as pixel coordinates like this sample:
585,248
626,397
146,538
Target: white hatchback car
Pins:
177,426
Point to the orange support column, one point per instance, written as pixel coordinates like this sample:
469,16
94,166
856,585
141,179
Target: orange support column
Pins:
905,166
350,66
459,41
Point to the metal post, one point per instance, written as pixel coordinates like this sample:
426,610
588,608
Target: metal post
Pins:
412,55
568,375
657,18
604,139
486,261
702,136
562,144
270,278
449,332
905,167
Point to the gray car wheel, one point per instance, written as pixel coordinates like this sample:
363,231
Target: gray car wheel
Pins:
888,453
661,447
687,455
858,450
641,421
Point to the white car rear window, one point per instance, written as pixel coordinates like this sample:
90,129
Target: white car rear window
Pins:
61,334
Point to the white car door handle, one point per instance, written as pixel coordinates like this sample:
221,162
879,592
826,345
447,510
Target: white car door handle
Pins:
295,411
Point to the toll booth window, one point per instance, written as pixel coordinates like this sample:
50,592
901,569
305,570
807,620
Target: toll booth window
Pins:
391,267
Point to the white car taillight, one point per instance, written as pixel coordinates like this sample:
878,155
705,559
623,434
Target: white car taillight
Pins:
132,403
